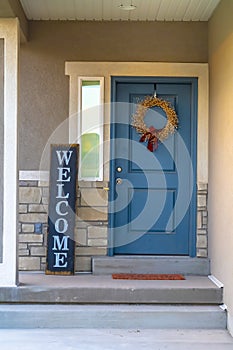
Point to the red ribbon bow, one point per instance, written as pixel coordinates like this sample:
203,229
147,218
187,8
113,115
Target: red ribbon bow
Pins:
152,139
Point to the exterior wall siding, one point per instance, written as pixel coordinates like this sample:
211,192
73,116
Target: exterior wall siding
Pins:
91,223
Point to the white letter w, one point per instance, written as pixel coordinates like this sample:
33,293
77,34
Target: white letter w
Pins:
65,158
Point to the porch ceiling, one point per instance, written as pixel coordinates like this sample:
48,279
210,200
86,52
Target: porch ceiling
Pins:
108,10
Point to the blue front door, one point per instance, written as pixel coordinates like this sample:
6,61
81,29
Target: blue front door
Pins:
153,194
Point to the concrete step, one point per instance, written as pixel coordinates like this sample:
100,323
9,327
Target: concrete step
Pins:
115,339
113,316
150,264
88,289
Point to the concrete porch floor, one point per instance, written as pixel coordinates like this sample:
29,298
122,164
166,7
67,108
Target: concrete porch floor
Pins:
80,280
36,287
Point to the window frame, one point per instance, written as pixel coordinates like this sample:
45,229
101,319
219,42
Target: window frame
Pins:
79,124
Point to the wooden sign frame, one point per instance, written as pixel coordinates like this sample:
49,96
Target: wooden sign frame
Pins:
62,209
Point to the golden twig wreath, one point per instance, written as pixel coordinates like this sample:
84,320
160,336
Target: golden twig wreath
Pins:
150,134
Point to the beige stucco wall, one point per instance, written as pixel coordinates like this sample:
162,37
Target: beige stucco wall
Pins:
44,99
1,138
221,149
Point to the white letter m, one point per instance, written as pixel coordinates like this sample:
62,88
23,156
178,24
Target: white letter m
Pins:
60,244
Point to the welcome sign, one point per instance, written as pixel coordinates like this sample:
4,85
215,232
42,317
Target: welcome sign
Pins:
62,205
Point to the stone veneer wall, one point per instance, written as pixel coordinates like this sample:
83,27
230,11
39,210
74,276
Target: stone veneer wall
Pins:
91,223
202,220
90,230
33,217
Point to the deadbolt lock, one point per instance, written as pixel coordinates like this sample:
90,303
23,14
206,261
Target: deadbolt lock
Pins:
118,181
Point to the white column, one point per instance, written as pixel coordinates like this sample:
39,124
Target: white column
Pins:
9,32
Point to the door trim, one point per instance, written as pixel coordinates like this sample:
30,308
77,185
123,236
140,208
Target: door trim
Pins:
194,131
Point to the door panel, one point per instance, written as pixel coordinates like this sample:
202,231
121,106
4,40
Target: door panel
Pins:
152,206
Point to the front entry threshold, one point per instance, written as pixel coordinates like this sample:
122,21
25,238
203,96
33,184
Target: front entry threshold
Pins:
150,264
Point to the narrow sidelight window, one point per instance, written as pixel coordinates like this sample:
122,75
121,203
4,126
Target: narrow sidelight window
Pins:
91,96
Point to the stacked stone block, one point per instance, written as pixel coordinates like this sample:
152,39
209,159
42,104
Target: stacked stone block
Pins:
202,220
91,223
33,217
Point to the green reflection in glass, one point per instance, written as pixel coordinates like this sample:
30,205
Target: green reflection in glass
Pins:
90,155
90,82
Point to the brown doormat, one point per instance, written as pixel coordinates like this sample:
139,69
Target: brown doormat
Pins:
135,276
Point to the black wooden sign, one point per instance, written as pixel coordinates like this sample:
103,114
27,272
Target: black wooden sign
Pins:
62,205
